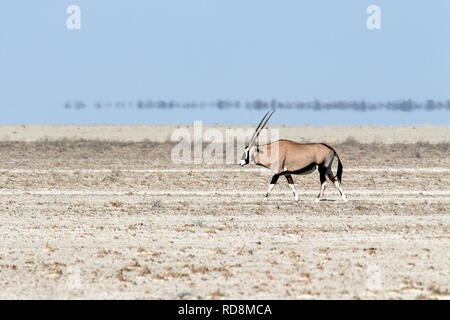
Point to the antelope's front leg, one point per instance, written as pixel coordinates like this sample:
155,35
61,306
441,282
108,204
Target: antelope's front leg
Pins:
291,184
272,184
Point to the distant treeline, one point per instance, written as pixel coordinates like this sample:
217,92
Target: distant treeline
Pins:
258,104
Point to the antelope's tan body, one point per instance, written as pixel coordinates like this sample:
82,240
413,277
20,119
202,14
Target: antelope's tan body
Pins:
292,157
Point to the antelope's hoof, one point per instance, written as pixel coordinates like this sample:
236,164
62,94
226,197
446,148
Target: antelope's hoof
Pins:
345,199
317,200
266,198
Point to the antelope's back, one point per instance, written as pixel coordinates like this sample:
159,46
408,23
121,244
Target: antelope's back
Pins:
302,153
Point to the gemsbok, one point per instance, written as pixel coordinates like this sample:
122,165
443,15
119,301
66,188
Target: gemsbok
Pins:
285,158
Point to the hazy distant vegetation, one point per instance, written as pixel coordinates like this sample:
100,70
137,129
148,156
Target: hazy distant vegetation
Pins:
399,105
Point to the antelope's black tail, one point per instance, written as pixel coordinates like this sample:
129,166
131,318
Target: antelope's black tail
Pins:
339,168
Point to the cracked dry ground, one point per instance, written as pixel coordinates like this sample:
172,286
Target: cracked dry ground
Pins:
119,231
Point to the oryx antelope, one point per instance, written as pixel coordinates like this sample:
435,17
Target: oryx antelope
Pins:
285,158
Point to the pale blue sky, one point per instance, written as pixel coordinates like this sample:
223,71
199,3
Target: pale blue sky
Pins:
208,50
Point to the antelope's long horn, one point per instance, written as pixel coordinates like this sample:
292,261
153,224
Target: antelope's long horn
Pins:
257,128
261,127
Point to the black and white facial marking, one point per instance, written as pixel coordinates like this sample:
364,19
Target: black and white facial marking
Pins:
245,157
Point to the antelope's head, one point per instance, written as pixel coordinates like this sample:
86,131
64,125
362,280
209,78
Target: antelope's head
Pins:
246,156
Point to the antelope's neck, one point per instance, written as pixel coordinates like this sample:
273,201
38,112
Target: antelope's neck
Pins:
261,158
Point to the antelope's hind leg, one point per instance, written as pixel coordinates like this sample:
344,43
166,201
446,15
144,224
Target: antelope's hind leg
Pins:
336,184
291,184
272,184
323,181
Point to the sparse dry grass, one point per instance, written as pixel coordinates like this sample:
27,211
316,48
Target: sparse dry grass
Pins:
177,247
103,154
